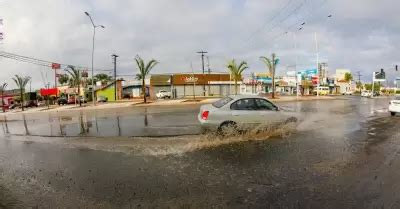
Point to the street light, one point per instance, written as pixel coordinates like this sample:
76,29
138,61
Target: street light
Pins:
94,34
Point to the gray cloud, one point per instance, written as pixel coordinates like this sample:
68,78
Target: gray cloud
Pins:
361,35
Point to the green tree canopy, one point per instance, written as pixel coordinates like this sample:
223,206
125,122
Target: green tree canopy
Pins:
348,77
144,70
236,70
21,83
63,79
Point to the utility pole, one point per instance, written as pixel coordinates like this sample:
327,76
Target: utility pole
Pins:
317,53
202,62
114,56
359,79
359,76
209,71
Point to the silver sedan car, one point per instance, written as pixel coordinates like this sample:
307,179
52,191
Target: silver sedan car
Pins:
241,112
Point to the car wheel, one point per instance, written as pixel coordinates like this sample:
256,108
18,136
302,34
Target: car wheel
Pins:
392,113
228,128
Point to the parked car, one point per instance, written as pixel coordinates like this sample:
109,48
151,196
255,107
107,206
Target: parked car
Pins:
348,93
394,106
241,112
162,94
83,99
30,103
102,99
366,93
62,101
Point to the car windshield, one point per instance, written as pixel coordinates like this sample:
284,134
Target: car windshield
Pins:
220,103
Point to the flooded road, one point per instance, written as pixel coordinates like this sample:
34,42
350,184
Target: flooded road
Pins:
342,154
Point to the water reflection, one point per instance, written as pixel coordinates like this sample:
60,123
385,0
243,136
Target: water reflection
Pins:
142,122
25,124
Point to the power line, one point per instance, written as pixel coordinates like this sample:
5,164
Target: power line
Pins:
35,61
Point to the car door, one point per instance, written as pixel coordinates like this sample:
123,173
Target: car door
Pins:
269,113
244,112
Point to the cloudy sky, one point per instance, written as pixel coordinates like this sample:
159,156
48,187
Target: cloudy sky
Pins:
361,35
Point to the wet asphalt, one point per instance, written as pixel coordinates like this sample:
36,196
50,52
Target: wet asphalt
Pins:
343,153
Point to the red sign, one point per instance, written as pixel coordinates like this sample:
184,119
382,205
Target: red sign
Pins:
48,92
55,66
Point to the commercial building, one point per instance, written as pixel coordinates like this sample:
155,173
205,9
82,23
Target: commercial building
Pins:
160,82
340,80
108,91
186,85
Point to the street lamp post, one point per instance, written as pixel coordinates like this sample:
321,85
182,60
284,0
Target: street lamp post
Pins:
94,34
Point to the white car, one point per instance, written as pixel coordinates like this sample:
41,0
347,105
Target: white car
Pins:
394,106
241,111
162,94
366,93
348,93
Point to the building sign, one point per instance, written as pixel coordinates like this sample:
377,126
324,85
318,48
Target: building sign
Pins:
55,66
200,79
190,79
379,76
308,75
48,92
160,80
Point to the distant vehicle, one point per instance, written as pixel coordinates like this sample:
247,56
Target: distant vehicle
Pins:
30,103
241,111
62,101
83,99
71,100
102,99
322,90
366,93
162,94
348,93
376,94
394,106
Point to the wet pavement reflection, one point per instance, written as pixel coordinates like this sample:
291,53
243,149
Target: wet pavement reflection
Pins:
162,121
159,121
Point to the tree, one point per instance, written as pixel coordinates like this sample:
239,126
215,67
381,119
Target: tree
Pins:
63,79
144,70
21,83
236,71
271,65
75,80
2,89
359,85
377,86
103,77
348,77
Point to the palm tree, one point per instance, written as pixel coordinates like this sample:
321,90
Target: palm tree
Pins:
236,71
144,70
75,80
348,77
271,64
2,89
21,83
63,79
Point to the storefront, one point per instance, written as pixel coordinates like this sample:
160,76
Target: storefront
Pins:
186,85
160,82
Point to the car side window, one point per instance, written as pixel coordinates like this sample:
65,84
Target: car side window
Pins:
244,104
263,104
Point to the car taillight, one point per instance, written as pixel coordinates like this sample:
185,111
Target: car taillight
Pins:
204,115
